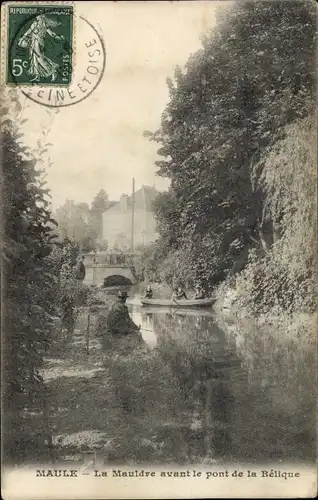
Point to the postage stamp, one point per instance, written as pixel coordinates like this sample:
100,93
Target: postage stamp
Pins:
39,44
53,55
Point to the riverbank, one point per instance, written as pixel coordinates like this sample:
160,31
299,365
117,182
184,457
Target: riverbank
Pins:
282,347
279,353
230,308
111,407
211,387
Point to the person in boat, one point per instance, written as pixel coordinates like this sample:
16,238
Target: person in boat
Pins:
174,293
120,326
179,294
199,293
149,293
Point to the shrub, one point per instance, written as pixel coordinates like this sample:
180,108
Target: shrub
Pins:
28,288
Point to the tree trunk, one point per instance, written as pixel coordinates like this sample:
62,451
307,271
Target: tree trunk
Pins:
262,240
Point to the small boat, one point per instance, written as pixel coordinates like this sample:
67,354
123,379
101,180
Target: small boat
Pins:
182,311
178,303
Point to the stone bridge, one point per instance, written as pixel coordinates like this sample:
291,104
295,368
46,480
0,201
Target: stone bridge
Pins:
109,269
105,274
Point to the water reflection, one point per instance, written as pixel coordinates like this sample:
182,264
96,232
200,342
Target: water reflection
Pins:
145,320
201,362
211,395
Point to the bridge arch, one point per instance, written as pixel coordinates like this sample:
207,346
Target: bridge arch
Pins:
98,273
117,280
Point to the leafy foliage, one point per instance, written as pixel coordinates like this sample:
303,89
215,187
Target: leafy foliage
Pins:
74,224
285,278
80,224
227,110
62,264
99,204
28,237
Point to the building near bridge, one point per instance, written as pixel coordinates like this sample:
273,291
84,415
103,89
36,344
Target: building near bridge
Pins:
117,220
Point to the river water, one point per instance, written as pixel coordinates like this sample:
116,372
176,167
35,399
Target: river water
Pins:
207,390
215,394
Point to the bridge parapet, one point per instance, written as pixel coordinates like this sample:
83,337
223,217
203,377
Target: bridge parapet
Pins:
110,259
97,273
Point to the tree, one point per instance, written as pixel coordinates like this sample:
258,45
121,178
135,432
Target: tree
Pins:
74,224
99,204
80,224
286,276
166,210
233,101
28,284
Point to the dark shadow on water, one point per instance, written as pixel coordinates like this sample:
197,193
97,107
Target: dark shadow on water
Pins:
196,394
116,281
219,400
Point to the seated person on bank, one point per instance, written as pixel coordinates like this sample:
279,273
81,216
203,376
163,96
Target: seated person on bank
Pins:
119,324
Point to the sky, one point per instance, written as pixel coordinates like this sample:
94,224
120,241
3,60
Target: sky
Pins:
98,143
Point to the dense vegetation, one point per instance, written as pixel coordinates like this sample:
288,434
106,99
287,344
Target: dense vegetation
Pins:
238,142
235,143
284,277
81,224
28,285
36,281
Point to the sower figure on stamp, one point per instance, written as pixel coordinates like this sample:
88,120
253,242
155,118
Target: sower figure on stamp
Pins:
121,332
33,39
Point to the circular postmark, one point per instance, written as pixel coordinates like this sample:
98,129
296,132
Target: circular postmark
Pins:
48,67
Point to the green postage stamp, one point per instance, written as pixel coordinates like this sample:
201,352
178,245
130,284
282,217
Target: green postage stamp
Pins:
39,44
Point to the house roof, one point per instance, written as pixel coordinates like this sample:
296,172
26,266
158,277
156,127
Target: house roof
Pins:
144,198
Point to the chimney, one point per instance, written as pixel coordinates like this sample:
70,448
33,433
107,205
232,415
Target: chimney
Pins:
124,202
